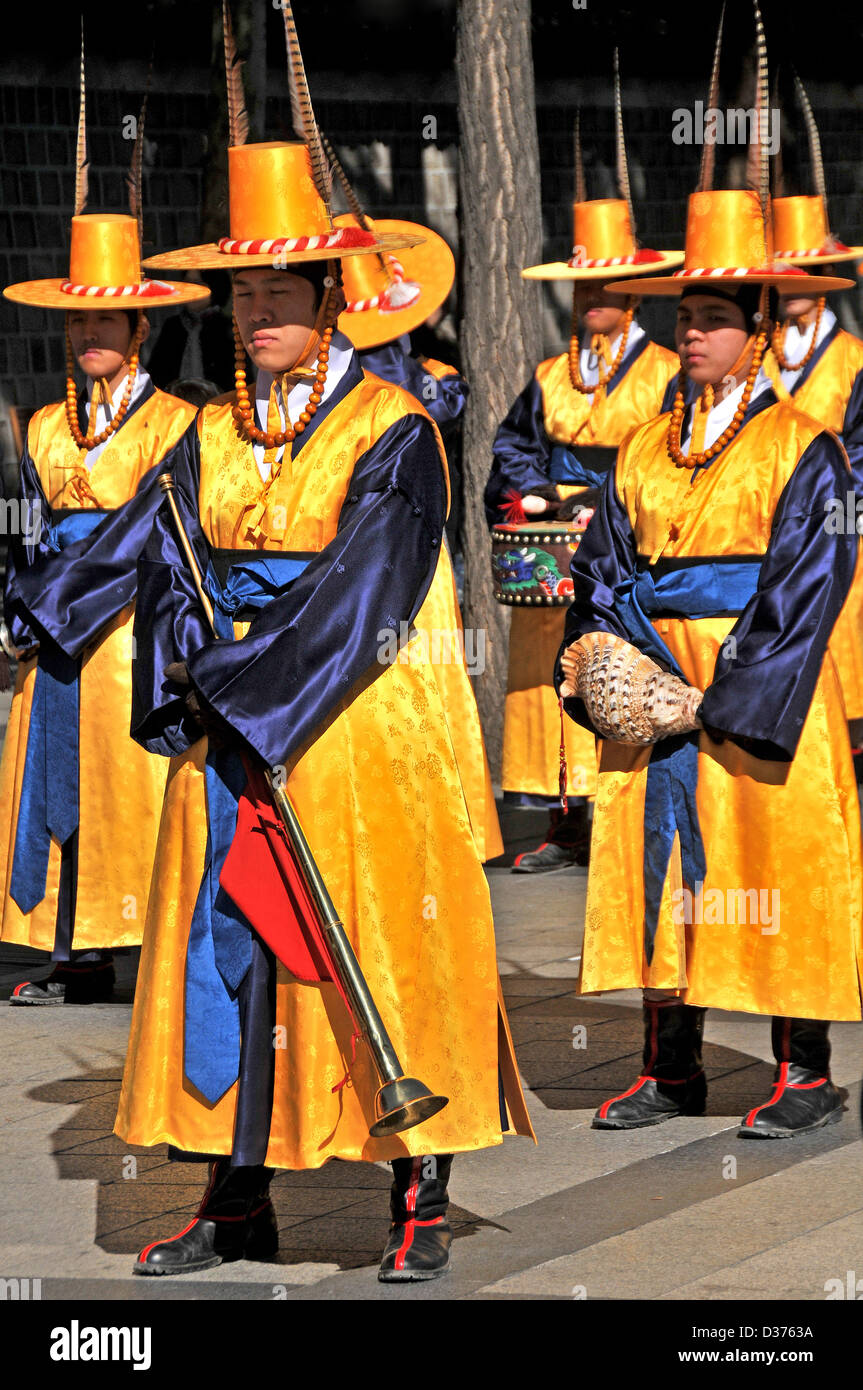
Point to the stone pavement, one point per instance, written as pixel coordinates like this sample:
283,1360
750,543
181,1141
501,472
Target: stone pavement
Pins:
683,1210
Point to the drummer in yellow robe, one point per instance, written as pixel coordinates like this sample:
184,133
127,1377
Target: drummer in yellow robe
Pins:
76,842
387,297
558,441
819,367
327,515
710,557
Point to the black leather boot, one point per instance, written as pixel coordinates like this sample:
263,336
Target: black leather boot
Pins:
235,1221
567,842
804,1098
420,1236
673,1081
70,982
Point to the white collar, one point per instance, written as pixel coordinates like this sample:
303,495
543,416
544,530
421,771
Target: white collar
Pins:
104,416
587,360
341,352
722,412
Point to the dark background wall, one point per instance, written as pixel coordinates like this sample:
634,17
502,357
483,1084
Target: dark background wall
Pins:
379,69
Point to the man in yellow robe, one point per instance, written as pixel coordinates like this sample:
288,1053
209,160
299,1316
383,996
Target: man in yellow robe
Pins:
726,866
316,512
76,846
556,446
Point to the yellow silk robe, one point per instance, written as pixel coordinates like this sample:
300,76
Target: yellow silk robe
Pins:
440,618
776,827
121,786
378,792
531,731
824,395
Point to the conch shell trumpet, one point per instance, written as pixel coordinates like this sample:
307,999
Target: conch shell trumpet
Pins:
627,696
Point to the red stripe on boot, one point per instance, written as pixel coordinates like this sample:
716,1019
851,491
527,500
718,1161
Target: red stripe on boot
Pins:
166,1240
778,1087
636,1086
538,850
410,1205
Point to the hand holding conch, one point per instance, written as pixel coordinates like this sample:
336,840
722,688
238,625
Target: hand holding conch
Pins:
627,696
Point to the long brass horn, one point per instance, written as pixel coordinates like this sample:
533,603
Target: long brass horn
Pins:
401,1101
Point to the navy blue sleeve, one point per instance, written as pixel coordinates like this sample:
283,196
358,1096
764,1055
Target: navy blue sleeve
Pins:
26,548
522,452
852,431
605,557
170,623
764,680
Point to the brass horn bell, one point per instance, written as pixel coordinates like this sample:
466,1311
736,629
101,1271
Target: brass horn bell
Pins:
403,1103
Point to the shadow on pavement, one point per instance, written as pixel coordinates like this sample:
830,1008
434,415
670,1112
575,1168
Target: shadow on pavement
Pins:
338,1214
574,1053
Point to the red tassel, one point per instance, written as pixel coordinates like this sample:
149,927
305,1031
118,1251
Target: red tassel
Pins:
513,511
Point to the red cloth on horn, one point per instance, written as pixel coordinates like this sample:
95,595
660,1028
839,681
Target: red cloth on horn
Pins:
261,875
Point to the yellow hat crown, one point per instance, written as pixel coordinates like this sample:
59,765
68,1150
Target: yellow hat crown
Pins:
602,235
275,206
800,228
725,230
103,253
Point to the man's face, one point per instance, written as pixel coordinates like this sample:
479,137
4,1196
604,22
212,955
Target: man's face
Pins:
275,313
100,340
710,335
797,306
598,310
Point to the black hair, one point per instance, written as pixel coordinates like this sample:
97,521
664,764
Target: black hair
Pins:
746,297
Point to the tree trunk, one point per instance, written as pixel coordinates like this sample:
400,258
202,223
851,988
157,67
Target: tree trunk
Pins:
501,333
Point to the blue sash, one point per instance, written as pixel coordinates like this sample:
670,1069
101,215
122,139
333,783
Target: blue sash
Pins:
702,590
589,468
49,804
219,951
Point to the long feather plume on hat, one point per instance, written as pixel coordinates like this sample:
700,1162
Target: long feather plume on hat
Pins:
399,292
778,169
620,145
238,116
580,185
708,153
758,159
82,163
814,141
135,176
351,198
302,113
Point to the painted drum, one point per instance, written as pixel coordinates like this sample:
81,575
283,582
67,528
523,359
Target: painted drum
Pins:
530,563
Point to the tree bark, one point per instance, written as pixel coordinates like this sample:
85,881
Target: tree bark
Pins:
501,331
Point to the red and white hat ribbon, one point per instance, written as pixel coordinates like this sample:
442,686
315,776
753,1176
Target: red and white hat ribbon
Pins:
147,289
399,293
837,247
579,260
735,272
343,238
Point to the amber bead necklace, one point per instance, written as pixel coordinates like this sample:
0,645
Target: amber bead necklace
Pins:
778,342
244,413
91,441
675,453
604,378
